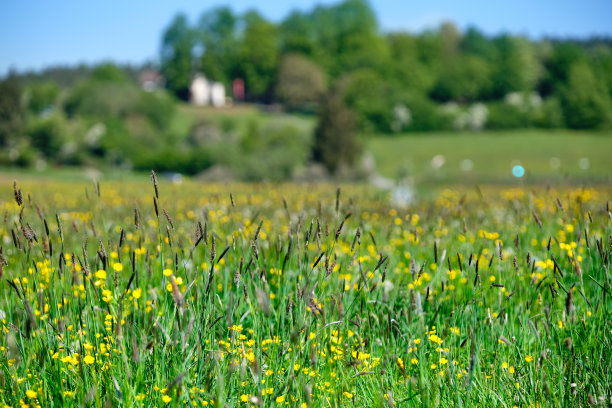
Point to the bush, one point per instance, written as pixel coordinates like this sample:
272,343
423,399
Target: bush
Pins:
425,115
505,116
585,99
48,135
549,115
371,99
301,83
41,96
158,107
102,99
336,142
12,117
271,153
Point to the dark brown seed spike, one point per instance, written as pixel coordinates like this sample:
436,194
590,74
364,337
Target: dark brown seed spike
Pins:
537,220
154,180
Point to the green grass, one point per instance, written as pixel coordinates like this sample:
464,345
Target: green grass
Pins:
237,118
493,154
301,295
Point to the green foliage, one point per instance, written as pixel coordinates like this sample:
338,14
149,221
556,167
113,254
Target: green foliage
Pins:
108,72
219,40
344,41
258,55
271,153
407,68
558,65
335,144
178,42
585,99
100,99
375,101
550,114
12,116
426,115
505,116
158,107
516,68
300,84
296,34
48,135
42,96
371,98
464,78
320,290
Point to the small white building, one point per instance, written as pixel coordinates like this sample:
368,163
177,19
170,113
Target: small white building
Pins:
204,92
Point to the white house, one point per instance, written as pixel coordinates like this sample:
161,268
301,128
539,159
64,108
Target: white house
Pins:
204,92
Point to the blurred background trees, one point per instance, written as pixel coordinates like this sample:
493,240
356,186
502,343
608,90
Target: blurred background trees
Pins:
332,64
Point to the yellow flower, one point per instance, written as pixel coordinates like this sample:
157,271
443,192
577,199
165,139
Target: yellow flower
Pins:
511,370
117,267
101,274
280,399
31,394
504,365
166,399
244,398
528,358
137,293
347,394
167,272
89,360
107,295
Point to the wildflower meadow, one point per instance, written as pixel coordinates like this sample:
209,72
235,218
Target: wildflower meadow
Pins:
145,293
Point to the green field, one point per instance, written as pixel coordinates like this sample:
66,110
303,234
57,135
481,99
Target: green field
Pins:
237,118
493,154
248,295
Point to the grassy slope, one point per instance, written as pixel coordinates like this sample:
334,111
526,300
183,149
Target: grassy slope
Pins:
237,117
493,154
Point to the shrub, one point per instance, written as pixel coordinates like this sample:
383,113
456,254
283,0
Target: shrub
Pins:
336,142
505,116
48,135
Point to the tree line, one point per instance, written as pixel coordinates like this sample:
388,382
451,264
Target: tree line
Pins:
395,81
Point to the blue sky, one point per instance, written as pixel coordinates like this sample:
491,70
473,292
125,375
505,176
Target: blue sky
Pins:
37,33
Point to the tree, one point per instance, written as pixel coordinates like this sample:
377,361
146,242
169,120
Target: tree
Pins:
178,42
558,65
41,96
516,68
218,36
296,35
463,78
347,35
336,141
300,83
585,99
407,68
48,135
474,42
371,98
258,54
12,117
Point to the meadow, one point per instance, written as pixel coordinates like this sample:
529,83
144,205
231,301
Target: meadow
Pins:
548,156
149,294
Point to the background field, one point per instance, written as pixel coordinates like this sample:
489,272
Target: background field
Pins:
494,153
